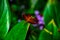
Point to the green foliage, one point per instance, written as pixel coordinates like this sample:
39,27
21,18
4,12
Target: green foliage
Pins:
48,13
4,24
18,32
30,11
45,34
4,19
14,7
50,32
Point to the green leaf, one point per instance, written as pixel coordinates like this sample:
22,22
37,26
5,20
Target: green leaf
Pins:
46,34
49,11
57,14
50,32
5,19
18,32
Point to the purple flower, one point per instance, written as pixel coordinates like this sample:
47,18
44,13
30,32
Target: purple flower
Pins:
40,19
41,22
41,27
36,12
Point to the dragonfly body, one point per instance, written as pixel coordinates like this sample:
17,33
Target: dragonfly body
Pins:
30,19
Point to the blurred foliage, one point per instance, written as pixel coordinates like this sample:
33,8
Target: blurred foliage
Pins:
11,29
4,19
18,32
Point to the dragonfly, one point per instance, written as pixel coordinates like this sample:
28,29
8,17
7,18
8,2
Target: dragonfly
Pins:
29,18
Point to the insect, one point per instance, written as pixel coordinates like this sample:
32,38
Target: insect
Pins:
29,18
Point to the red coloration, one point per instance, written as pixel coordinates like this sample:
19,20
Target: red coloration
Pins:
30,19
59,30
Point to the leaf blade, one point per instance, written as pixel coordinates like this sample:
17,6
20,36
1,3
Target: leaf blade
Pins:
19,31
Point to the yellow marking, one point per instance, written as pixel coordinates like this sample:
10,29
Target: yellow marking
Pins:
52,22
28,25
51,1
48,31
